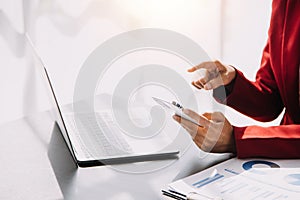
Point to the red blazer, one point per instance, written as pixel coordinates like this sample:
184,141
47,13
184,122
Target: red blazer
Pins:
276,87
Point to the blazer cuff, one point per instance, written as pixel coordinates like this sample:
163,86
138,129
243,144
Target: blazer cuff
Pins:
224,94
221,93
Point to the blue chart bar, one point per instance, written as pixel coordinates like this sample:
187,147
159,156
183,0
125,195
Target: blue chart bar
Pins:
207,180
231,171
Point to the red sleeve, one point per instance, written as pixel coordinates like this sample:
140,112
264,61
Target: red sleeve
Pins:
273,142
259,100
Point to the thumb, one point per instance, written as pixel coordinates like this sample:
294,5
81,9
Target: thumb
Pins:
199,118
214,83
220,66
217,117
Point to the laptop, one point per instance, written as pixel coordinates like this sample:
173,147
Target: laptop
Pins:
89,145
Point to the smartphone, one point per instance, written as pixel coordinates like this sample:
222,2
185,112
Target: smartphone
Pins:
176,108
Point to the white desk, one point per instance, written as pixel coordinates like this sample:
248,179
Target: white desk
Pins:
35,164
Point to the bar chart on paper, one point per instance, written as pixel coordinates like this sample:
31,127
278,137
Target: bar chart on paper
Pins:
208,180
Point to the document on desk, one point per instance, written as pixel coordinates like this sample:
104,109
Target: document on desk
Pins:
242,179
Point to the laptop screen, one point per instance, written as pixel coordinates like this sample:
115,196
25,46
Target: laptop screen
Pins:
57,114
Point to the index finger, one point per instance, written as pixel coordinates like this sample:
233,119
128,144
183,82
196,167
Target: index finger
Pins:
186,123
209,65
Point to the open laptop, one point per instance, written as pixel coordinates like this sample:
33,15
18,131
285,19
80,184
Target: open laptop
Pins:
88,145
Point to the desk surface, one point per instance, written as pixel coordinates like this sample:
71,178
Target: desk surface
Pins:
35,164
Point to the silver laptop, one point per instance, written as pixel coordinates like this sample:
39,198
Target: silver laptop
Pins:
89,145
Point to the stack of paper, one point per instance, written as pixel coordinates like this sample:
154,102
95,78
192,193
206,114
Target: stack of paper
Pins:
241,179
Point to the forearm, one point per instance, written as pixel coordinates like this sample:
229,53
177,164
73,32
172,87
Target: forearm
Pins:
250,98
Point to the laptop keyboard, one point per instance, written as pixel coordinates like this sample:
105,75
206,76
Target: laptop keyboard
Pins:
98,138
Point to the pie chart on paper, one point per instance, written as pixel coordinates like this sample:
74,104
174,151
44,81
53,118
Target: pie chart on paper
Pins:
293,179
258,166
251,164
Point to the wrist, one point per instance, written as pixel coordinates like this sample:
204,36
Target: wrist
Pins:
232,145
230,74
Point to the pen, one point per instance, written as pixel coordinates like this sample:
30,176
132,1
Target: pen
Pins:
174,195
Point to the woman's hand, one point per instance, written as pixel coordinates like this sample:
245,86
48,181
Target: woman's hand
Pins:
215,135
216,75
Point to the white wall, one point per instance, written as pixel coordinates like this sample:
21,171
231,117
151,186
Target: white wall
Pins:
65,32
245,26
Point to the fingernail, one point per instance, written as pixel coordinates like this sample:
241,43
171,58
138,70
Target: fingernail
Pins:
193,84
190,70
196,85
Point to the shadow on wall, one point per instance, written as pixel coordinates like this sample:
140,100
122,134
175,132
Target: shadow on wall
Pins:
71,25
15,40
29,94
16,44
